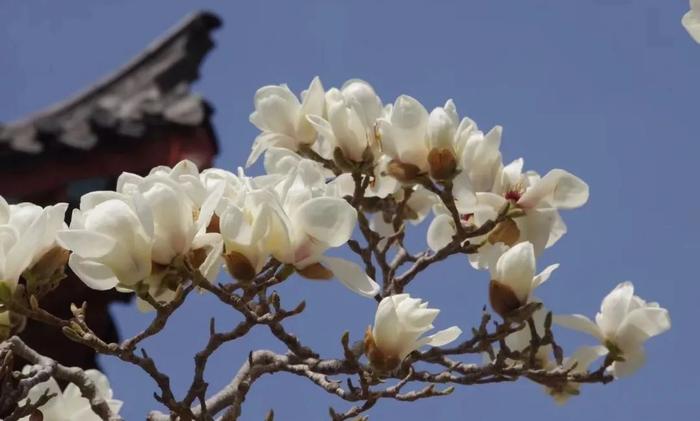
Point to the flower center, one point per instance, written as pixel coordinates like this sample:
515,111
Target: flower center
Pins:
513,195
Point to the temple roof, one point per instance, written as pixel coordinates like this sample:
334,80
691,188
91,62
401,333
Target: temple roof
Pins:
151,94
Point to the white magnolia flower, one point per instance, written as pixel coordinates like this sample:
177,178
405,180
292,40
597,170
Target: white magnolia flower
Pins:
623,324
111,236
172,211
296,219
282,118
69,404
27,233
404,134
513,278
352,112
538,198
479,154
399,325
691,20
185,173
122,238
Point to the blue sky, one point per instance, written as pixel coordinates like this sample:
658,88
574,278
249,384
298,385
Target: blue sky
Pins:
607,89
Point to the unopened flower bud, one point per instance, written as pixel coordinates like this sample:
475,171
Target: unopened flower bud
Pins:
442,163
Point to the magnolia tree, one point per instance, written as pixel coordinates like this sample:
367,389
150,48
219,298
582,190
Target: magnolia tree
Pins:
342,169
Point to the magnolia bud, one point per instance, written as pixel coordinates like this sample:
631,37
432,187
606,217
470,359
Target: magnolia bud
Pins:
380,361
402,171
443,164
316,271
502,298
506,232
239,266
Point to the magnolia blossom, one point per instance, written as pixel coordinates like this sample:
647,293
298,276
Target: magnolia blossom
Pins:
27,234
399,325
111,236
295,219
691,20
122,238
282,118
535,202
623,324
513,278
351,112
69,404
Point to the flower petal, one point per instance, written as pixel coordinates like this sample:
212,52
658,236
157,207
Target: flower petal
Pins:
328,219
516,268
641,324
351,275
559,189
579,322
544,275
614,308
440,232
443,337
95,275
633,361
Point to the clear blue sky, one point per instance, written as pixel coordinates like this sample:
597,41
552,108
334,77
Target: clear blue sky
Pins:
607,89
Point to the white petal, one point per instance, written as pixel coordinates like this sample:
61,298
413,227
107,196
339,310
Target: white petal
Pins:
328,219
516,268
351,275
559,188
443,337
464,193
584,357
536,227
95,275
633,361
267,140
276,108
691,22
209,206
614,308
4,211
386,329
641,324
212,264
440,232
579,322
89,244
544,275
